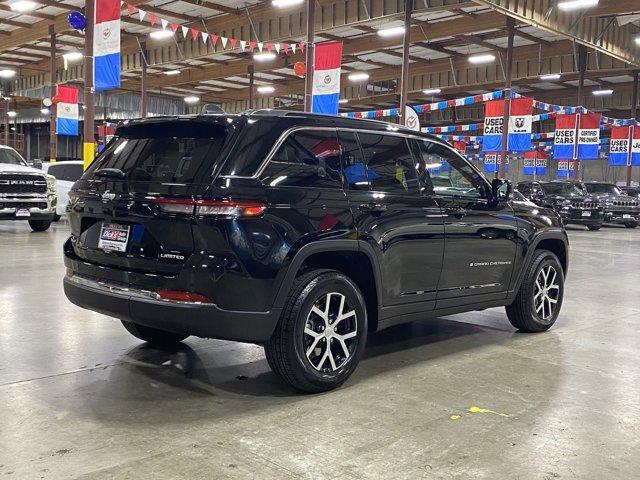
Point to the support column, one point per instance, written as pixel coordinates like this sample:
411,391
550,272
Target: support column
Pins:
511,31
404,79
582,68
251,71
143,81
88,146
6,122
308,81
634,114
53,137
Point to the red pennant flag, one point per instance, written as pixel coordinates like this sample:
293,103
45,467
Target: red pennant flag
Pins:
153,19
269,47
252,45
301,46
214,39
285,47
130,9
174,26
234,42
195,33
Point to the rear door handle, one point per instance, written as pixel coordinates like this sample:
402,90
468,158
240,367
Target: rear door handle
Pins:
457,212
373,207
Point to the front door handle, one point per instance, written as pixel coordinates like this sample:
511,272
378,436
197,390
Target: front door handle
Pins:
457,212
373,207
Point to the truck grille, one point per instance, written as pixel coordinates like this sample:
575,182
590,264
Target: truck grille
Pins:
625,203
27,204
585,205
16,183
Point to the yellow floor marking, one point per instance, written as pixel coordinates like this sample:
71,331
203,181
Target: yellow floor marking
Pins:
474,409
455,417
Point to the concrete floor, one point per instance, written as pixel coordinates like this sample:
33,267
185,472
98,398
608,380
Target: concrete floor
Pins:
80,398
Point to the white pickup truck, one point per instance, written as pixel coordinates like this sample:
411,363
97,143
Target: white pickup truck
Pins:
26,193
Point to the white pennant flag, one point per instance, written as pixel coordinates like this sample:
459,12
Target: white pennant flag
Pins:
277,47
224,41
185,30
293,48
164,23
243,45
260,45
205,37
142,14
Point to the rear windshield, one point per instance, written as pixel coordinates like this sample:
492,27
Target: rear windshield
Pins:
184,152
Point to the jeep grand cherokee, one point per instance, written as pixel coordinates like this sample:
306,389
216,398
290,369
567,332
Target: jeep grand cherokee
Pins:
302,233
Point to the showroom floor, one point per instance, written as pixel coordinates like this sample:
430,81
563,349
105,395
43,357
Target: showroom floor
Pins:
462,397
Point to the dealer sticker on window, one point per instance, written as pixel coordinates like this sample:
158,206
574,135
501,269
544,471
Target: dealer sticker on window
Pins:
114,237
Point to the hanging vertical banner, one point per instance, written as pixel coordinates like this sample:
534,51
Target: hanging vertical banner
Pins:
564,142
535,163
67,110
326,77
635,147
106,45
520,120
492,163
589,136
565,168
493,121
619,144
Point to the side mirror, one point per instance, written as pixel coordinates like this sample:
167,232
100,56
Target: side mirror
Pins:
37,163
501,189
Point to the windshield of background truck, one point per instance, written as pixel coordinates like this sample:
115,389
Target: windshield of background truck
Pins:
11,157
561,189
599,188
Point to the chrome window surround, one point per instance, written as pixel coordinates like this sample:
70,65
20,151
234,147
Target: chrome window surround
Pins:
289,131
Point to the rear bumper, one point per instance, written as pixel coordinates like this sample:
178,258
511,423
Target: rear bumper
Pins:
189,318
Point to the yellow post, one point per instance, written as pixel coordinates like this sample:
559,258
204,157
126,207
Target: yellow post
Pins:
88,153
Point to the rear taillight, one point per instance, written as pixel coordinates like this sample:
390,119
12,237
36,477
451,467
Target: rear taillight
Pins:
182,296
221,208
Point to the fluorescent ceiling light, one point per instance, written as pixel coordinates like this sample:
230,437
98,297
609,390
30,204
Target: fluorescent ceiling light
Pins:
11,113
637,39
160,34
266,89
71,56
264,56
23,6
286,3
550,77
7,73
343,101
358,77
603,92
391,32
432,91
171,72
482,58
191,99
45,111
568,5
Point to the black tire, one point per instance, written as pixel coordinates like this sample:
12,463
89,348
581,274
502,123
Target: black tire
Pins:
287,349
522,313
631,225
594,228
153,336
39,225
56,217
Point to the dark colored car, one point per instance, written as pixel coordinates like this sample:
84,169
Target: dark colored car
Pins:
631,191
302,233
618,207
568,199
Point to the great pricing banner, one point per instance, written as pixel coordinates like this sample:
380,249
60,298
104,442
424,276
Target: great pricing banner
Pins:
564,141
535,163
566,169
492,163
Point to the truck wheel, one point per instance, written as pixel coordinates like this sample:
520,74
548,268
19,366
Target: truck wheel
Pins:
594,227
39,225
321,334
56,217
539,299
631,225
153,336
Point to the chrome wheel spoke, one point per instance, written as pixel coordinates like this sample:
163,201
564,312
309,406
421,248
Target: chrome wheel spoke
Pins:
544,285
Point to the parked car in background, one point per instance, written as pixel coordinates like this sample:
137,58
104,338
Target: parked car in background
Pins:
302,233
568,199
631,191
26,193
66,174
618,208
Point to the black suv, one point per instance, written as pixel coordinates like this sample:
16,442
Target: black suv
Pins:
618,207
303,233
631,191
568,199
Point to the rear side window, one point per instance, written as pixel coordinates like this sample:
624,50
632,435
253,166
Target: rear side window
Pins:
307,158
167,153
389,163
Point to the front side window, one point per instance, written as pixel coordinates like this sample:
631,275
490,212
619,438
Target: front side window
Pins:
307,158
449,174
389,163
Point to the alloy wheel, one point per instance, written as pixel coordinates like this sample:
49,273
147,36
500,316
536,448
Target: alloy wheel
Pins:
546,292
330,333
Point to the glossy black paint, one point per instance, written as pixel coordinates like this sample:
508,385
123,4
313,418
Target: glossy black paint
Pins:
618,209
414,255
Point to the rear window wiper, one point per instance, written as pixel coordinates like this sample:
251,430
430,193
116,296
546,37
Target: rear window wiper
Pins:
110,173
